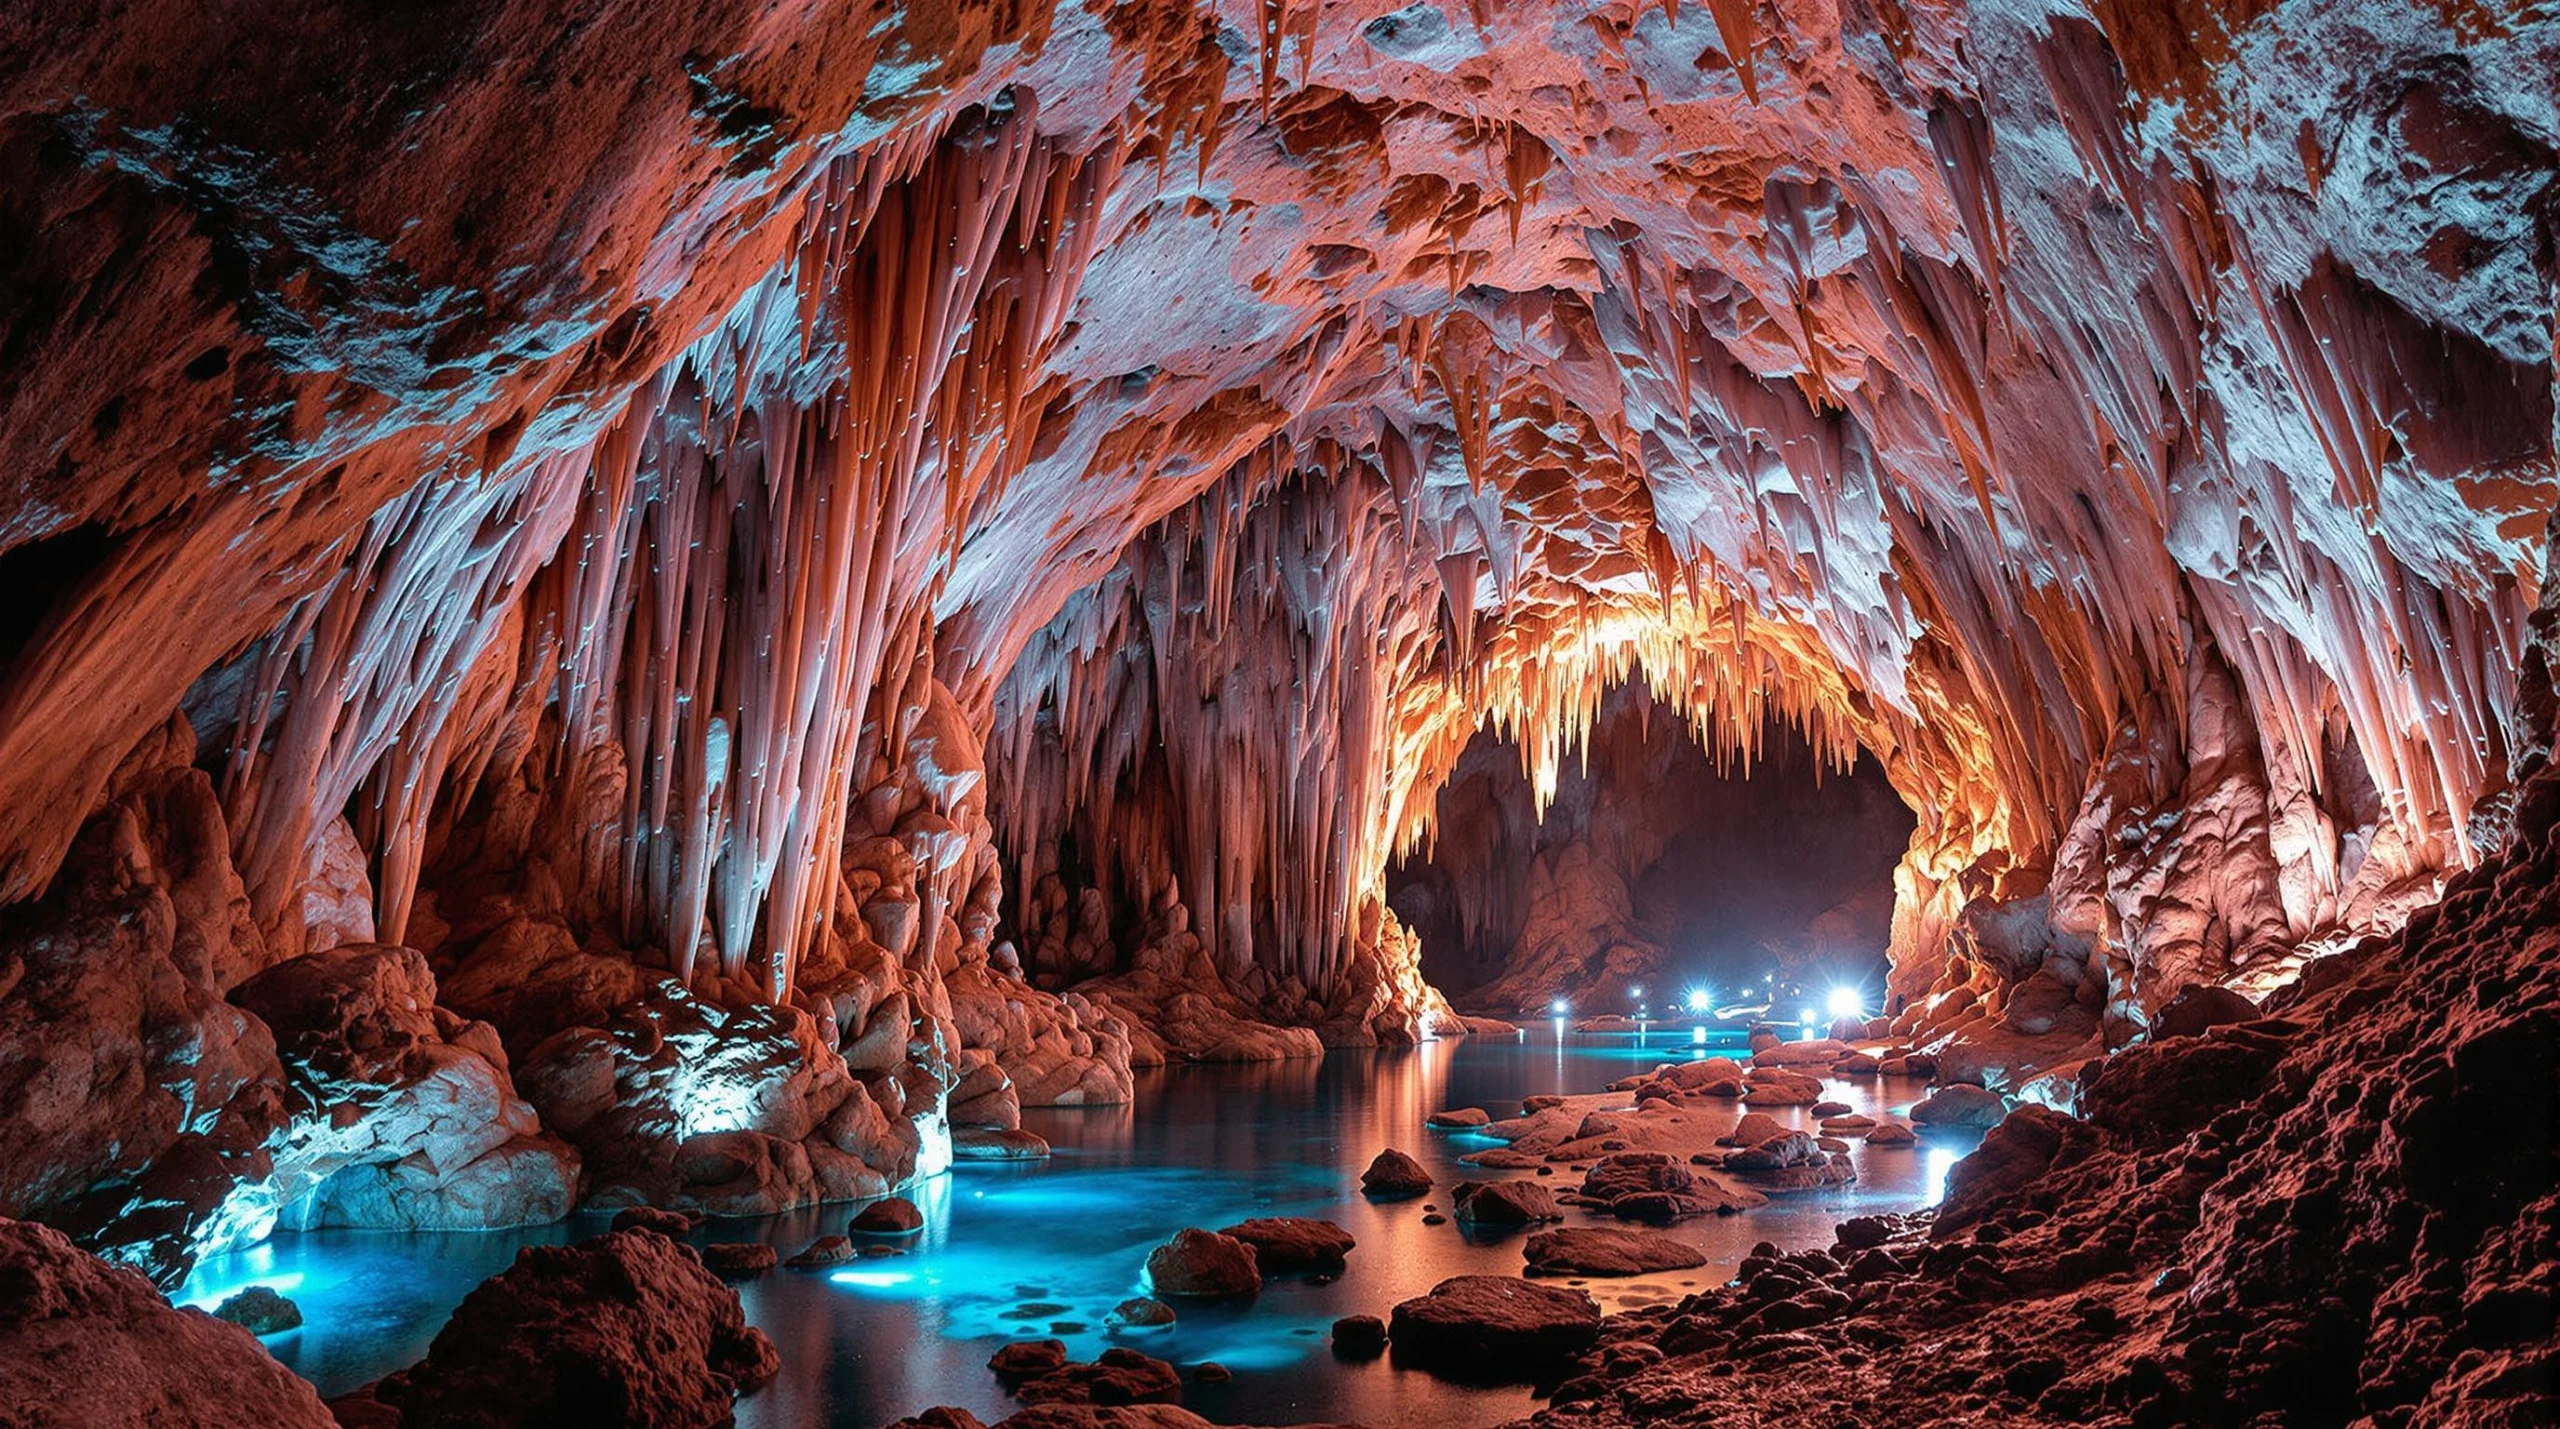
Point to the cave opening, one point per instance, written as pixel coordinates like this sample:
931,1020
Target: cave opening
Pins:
1661,880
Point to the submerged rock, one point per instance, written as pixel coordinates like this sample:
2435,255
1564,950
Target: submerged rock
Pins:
985,1143
824,1253
1140,1313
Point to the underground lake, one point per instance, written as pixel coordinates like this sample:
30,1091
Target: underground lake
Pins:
1028,1250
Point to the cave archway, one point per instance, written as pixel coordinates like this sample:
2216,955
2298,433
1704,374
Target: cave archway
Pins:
1658,871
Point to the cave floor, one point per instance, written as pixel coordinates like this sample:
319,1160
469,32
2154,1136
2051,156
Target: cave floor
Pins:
1046,1249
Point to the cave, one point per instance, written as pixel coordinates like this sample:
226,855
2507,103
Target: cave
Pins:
1571,715
1656,877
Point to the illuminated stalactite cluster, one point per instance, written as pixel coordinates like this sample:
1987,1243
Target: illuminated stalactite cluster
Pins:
594,541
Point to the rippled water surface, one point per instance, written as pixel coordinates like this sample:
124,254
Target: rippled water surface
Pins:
1046,1249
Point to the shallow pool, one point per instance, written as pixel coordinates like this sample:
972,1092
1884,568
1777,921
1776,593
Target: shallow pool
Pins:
1045,1250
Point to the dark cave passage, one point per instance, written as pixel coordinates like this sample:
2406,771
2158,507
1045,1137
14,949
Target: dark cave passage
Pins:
1654,874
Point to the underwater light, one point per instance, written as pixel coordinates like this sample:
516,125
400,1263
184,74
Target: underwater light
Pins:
872,1279
1848,1002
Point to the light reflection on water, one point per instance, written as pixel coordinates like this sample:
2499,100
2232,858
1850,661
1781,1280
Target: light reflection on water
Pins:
1045,1250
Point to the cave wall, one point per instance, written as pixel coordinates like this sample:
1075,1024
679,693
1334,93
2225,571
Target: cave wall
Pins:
1653,868
594,484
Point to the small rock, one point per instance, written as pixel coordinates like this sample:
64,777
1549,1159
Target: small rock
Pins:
1496,1325
1359,1337
824,1253
1461,1119
1496,1204
1608,1252
1212,1372
1140,1313
1394,1175
1960,1105
739,1260
1890,1133
1289,1244
260,1311
891,1215
988,1143
1204,1265
674,1225
1028,1359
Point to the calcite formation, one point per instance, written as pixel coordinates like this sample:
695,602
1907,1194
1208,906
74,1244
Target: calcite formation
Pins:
769,586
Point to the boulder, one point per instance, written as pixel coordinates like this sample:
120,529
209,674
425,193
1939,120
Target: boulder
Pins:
626,1329
1392,1175
1960,1105
1494,1326
1204,1265
2012,1155
739,1260
2199,1006
1289,1244
988,1143
675,1225
260,1311
888,1216
1462,1119
1359,1337
825,1253
1497,1205
88,1345
1139,1312
1608,1253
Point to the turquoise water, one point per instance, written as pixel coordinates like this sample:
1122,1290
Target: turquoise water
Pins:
1042,1250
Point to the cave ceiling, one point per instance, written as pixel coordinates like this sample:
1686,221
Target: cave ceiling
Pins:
1217,412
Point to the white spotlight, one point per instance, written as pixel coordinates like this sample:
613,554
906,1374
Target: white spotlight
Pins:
1811,1017
1560,1007
1698,999
1847,1002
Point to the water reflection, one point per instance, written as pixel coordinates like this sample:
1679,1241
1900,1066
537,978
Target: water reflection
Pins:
1020,1251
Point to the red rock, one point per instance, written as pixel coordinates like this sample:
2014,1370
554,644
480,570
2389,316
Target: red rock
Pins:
1289,1244
1608,1253
1493,1325
891,1215
83,1343
1203,1265
1394,1175
1499,1205
624,1329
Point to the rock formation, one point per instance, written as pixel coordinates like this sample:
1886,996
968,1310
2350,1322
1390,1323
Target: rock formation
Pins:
698,608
